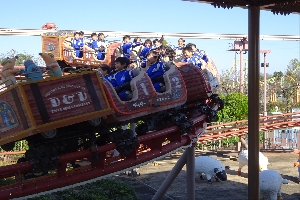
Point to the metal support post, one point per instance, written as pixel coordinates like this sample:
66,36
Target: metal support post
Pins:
241,72
171,176
265,100
265,96
190,173
253,101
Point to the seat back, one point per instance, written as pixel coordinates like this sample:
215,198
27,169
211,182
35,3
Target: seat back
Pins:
170,67
137,50
138,75
211,75
68,42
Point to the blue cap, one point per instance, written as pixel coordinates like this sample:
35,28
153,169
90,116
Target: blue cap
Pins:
27,63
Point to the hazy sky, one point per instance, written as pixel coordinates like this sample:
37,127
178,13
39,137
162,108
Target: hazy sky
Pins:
169,16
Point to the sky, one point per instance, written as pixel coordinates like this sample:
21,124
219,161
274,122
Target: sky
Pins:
165,16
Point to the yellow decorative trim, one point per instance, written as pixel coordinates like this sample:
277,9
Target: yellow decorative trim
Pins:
25,100
34,129
15,137
102,90
58,77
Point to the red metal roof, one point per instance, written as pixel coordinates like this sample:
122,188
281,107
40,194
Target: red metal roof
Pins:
282,7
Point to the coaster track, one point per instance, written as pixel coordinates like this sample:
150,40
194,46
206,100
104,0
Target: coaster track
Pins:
238,128
120,34
153,146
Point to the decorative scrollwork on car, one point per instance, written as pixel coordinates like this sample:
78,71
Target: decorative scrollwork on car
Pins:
59,33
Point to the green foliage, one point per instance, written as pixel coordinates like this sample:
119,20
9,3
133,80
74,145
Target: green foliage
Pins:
236,108
278,74
293,69
21,145
282,106
21,57
103,189
7,181
164,43
230,141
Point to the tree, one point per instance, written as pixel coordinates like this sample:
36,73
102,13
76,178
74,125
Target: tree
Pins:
236,108
293,69
22,57
228,83
278,74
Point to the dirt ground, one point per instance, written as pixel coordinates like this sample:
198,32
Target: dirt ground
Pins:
236,187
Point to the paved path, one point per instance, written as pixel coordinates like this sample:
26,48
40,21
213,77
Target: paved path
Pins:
236,187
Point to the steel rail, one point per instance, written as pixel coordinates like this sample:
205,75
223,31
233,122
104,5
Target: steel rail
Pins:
238,128
120,34
154,148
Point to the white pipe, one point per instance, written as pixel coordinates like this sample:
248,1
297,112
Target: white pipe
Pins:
120,34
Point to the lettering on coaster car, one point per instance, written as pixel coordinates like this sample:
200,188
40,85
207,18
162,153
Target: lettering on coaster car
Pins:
92,63
8,118
176,80
136,105
162,99
77,61
67,102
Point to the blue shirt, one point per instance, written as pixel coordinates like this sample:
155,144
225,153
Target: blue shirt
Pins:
144,53
195,60
202,55
120,77
126,48
111,79
32,72
178,49
77,44
155,70
93,44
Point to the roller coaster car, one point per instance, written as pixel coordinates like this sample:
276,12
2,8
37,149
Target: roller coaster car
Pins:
48,105
60,47
145,100
195,80
42,106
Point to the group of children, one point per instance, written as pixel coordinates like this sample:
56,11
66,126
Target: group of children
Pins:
95,43
121,76
153,57
182,53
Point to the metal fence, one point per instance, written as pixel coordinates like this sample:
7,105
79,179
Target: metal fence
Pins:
286,138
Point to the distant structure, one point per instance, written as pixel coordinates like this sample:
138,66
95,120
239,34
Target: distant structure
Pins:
296,98
49,26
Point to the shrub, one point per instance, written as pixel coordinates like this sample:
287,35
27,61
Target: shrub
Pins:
104,189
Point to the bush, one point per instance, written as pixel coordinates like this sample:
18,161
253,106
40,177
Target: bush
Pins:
235,108
103,189
21,145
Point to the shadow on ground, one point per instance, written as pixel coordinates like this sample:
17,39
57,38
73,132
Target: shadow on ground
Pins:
236,187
